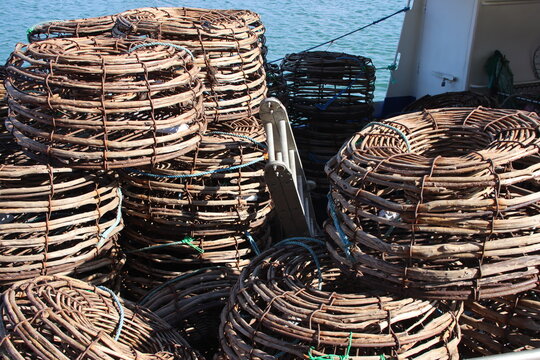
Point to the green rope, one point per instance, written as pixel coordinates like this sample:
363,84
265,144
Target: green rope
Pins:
187,240
333,356
399,132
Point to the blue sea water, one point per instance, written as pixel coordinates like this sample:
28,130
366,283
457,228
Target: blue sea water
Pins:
292,25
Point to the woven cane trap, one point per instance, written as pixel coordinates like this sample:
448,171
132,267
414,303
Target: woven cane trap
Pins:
329,98
292,303
502,324
451,99
60,318
56,220
226,45
171,255
71,28
438,203
210,206
99,103
328,87
192,304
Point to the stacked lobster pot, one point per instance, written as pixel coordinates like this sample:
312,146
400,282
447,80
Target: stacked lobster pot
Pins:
329,97
207,207
56,220
292,302
213,194
193,303
102,103
77,108
228,46
66,319
444,204
77,28
501,324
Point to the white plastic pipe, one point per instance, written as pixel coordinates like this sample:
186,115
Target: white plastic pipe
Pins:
270,141
293,166
283,142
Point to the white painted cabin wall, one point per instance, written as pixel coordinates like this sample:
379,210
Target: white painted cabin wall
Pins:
446,41
513,27
436,38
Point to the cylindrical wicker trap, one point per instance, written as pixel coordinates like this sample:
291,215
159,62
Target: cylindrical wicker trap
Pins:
100,103
60,318
101,25
324,88
329,97
56,220
208,207
292,303
437,203
192,304
227,45
502,324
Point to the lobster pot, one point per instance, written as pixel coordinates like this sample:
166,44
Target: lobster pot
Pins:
451,99
502,324
71,28
192,304
329,97
292,303
56,220
439,203
149,266
97,103
227,45
327,87
210,206
68,319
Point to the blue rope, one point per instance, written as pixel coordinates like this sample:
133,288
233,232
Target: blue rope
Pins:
281,353
258,143
303,238
252,242
178,47
330,101
344,239
399,132
105,235
182,176
313,255
315,158
186,240
405,9
120,311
